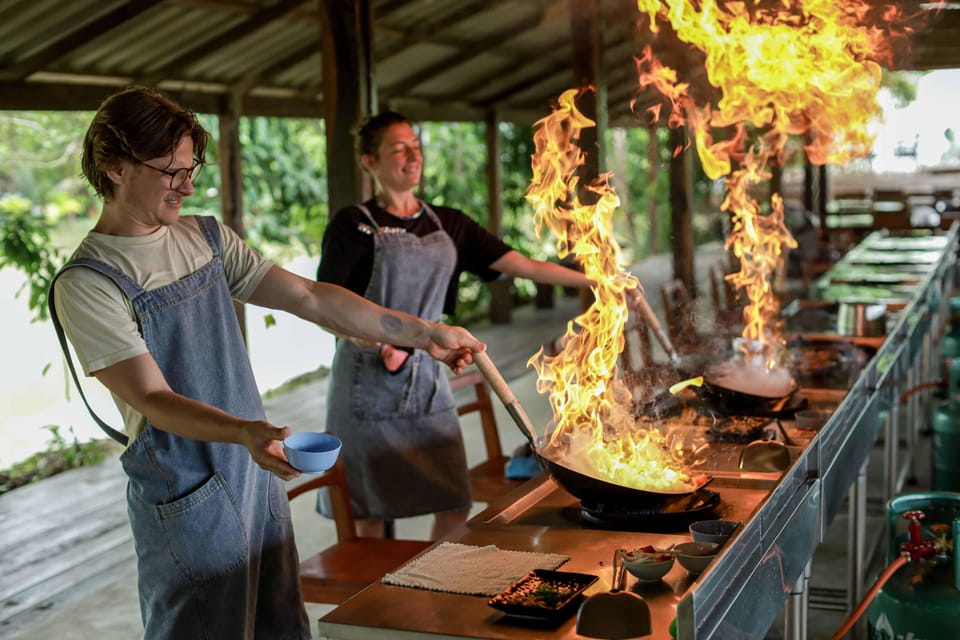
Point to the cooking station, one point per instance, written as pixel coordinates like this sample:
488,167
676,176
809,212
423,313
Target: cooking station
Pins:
765,565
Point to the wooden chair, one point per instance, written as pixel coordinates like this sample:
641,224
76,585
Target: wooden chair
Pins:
680,311
723,298
345,568
487,479
639,369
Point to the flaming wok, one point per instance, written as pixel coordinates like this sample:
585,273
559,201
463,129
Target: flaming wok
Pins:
598,491
577,484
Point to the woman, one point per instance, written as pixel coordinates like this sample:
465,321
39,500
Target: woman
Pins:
392,407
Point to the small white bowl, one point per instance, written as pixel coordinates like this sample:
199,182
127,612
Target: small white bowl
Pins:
646,566
312,452
695,556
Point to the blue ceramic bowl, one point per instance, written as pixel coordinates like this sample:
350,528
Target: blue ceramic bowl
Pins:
311,452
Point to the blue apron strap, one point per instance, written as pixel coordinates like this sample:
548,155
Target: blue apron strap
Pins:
125,285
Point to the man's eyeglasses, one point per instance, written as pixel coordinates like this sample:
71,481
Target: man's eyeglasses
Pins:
178,177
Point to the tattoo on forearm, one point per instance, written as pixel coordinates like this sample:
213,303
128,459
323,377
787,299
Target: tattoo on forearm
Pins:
390,324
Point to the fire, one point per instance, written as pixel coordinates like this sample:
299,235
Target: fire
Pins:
592,427
804,68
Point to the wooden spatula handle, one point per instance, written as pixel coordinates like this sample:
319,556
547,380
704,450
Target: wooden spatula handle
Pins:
494,379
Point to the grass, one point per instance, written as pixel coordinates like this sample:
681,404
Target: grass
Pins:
293,383
61,455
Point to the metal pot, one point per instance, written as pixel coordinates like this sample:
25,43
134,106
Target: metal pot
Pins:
862,319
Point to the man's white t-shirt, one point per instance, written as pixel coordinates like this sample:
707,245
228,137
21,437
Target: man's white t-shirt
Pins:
98,318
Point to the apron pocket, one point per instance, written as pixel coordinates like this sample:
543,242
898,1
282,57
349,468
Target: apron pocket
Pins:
377,394
279,504
204,532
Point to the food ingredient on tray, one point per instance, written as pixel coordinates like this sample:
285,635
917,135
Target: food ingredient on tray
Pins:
543,594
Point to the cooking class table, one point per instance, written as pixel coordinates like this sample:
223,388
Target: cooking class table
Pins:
763,569
533,518
908,356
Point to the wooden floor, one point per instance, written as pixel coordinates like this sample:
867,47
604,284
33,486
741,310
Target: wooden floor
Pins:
61,539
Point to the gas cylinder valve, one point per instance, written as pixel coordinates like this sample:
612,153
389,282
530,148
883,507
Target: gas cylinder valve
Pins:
916,545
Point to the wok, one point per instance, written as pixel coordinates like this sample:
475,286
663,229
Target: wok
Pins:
728,400
577,484
596,491
724,399
733,401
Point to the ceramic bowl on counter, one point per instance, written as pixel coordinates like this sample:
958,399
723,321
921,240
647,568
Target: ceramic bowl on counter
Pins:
695,556
647,564
713,530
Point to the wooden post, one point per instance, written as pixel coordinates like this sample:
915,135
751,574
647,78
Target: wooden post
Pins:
586,33
681,210
231,178
653,176
349,94
501,290
822,199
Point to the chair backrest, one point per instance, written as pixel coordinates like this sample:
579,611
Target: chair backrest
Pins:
717,294
723,295
335,480
637,349
678,309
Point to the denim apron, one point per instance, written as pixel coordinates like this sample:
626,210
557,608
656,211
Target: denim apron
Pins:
402,446
215,549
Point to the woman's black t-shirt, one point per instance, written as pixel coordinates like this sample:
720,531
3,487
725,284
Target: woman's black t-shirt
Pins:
347,249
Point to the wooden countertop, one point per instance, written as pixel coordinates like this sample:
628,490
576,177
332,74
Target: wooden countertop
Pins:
526,521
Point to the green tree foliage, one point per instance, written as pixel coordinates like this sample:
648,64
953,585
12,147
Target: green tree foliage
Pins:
284,182
40,186
455,175
26,246
902,85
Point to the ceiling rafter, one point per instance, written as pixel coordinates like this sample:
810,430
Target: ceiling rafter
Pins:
74,39
435,55
434,31
261,76
201,50
465,54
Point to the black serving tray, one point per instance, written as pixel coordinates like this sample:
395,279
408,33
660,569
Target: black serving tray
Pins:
543,595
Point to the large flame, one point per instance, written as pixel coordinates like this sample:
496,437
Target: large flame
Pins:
807,67
593,429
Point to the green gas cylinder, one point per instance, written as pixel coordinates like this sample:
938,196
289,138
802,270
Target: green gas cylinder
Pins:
921,600
950,345
945,470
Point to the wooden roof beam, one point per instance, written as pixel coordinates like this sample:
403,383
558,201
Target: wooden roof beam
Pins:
74,39
432,31
203,49
466,53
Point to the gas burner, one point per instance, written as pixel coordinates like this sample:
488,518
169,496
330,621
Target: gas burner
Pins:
737,429
676,516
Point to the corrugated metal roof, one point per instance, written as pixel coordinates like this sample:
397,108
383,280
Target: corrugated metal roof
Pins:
435,59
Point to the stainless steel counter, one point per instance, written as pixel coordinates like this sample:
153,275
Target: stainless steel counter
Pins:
762,568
